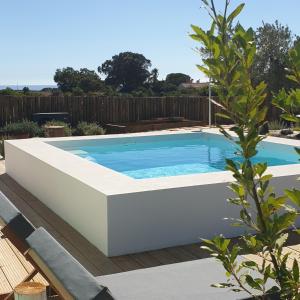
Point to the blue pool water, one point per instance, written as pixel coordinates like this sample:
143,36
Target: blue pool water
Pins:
171,155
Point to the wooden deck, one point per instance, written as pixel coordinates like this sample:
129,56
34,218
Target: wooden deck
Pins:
13,266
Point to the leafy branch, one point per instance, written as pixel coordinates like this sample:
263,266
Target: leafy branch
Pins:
266,216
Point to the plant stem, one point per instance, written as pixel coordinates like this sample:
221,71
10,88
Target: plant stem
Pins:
264,227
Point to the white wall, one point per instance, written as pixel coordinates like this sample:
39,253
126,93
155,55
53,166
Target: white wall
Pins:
81,206
157,219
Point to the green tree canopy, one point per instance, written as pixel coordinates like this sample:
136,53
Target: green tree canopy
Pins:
26,90
177,78
273,44
69,80
126,71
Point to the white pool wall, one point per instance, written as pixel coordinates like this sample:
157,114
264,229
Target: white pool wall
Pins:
76,202
121,215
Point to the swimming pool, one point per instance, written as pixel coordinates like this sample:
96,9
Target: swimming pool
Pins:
120,210
172,155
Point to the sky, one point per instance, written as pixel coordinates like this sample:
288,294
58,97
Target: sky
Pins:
39,36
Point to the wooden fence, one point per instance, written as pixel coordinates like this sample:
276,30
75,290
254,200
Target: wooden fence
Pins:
106,109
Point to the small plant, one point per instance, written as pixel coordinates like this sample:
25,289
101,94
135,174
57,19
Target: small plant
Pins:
32,129
84,128
67,128
276,125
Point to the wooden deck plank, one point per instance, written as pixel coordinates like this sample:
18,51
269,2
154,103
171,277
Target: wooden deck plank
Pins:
181,254
146,260
164,257
195,250
27,265
295,248
39,278
5,287
293,254
126,263
11,266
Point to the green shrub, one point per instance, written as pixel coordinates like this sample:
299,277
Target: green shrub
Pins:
67,128
276,125
24,127
84,128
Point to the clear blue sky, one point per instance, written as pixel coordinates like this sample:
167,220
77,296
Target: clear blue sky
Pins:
39,36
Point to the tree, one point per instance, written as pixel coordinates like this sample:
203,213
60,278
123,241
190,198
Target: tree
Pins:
177,78
9,92
26,90
126,71
66,79
289,100
265,215
69,80
273,44
89,81
153,77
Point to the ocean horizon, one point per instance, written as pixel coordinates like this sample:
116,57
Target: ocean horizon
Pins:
32,87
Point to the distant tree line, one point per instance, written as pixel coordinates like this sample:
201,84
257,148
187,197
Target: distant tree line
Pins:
129,73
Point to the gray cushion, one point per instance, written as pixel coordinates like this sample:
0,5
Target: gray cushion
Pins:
184,281
15,222
7,210
72,275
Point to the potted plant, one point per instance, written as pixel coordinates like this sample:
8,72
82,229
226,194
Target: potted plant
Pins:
57,129
229,53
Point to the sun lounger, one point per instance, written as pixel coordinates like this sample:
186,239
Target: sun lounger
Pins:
66,276
64,273
184,281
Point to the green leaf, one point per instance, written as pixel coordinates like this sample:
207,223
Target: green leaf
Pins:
294,196
222,285
289,117
201,34
249,264
236,12
296,270
266,178
222,115
281,240
253,282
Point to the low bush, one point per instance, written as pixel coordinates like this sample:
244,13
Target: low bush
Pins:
19,128
276,125
84,128
67,128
